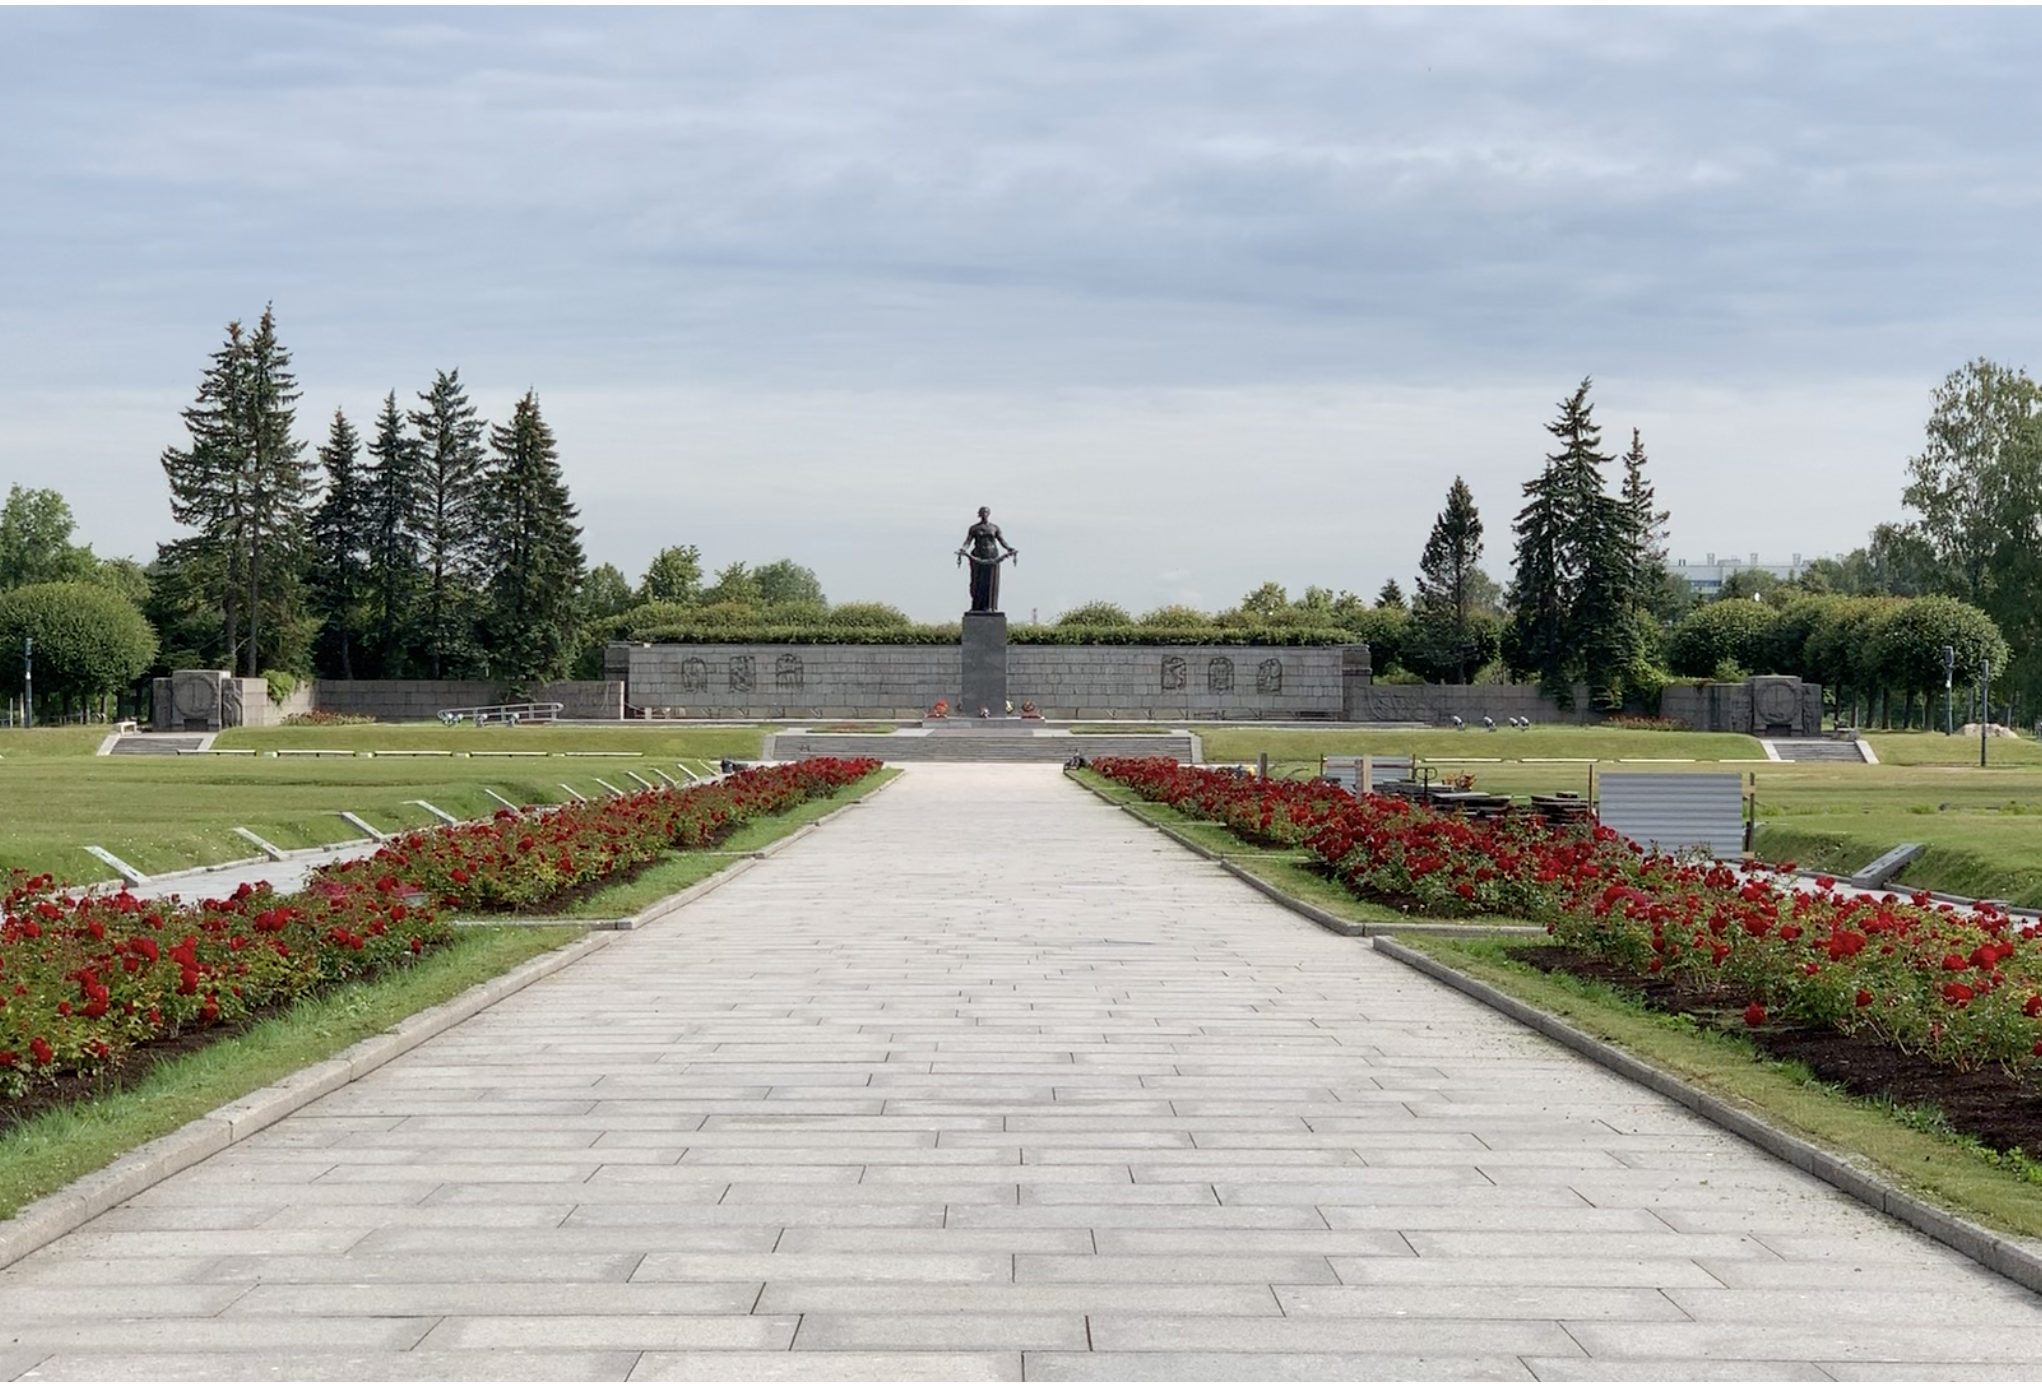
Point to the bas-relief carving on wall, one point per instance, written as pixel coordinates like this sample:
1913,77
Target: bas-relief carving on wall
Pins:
1176,673
787,673
694,675
1219,675
1395,704
743,673
1269,676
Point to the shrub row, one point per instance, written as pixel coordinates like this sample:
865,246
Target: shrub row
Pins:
84,978
1962,985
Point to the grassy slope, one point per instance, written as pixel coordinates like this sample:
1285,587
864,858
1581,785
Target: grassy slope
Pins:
164,814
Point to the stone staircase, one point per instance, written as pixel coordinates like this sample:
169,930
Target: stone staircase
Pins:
143,743
1040,747
1817,751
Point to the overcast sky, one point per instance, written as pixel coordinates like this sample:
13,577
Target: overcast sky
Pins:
1192,298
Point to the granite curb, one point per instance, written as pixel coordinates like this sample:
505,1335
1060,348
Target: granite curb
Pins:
63,1211
2002,1254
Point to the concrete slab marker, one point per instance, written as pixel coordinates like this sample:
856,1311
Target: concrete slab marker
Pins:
120,867
273,852
572,792
515,807
613,790
632,773
449,818
363,827
1887,866
671,780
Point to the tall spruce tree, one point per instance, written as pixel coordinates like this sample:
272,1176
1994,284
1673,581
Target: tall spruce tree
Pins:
1570,599
1647,521
453,538
395,500
341,530
535,579
1447,576
243,483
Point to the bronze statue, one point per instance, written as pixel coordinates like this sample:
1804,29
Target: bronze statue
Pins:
982,544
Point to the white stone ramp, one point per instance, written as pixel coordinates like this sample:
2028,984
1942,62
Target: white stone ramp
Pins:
986,1080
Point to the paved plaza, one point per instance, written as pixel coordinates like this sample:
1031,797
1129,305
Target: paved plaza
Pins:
985,1080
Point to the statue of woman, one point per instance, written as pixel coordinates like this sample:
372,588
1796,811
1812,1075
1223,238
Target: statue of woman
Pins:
982,544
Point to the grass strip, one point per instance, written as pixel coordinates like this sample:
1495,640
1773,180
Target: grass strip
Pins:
677,870
1910,1148
59,1146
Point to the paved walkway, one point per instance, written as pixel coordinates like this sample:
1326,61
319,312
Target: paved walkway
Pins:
984,1080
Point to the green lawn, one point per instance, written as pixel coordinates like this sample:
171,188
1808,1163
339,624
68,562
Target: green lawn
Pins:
163,814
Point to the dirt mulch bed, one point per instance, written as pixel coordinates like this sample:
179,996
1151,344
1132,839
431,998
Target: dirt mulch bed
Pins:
122,1070
2000,1110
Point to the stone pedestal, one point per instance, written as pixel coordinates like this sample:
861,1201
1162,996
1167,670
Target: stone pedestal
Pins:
985,665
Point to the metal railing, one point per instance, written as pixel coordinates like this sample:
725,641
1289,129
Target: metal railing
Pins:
504,714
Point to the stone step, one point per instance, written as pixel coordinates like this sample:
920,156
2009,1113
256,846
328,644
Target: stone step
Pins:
986,749
1817,751
157,744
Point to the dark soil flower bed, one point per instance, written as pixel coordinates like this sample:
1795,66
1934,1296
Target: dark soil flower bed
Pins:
2000,1109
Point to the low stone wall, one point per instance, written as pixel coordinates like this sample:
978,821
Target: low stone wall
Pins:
1066,682
1767,706
402,699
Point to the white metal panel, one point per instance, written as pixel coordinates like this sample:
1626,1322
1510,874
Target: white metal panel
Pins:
1676,812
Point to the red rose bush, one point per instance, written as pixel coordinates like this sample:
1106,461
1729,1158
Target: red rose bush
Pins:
1962,985
85,977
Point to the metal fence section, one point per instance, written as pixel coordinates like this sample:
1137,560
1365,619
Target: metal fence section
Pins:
1676,812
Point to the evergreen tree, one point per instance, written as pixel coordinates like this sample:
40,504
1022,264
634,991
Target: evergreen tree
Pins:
394,499
341,539
1447,574
207,493
535,578
280,489
1647,521
243,483
1571,612
1664,595
453,538
1391,597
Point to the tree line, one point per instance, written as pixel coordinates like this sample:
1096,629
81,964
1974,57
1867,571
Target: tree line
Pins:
438,545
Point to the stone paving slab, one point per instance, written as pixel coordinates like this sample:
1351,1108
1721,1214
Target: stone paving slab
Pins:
987,1081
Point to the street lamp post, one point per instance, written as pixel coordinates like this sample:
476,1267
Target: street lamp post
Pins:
1949,685
28,684
1984,707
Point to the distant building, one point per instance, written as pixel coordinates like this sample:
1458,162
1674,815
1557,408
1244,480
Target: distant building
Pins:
1707,578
